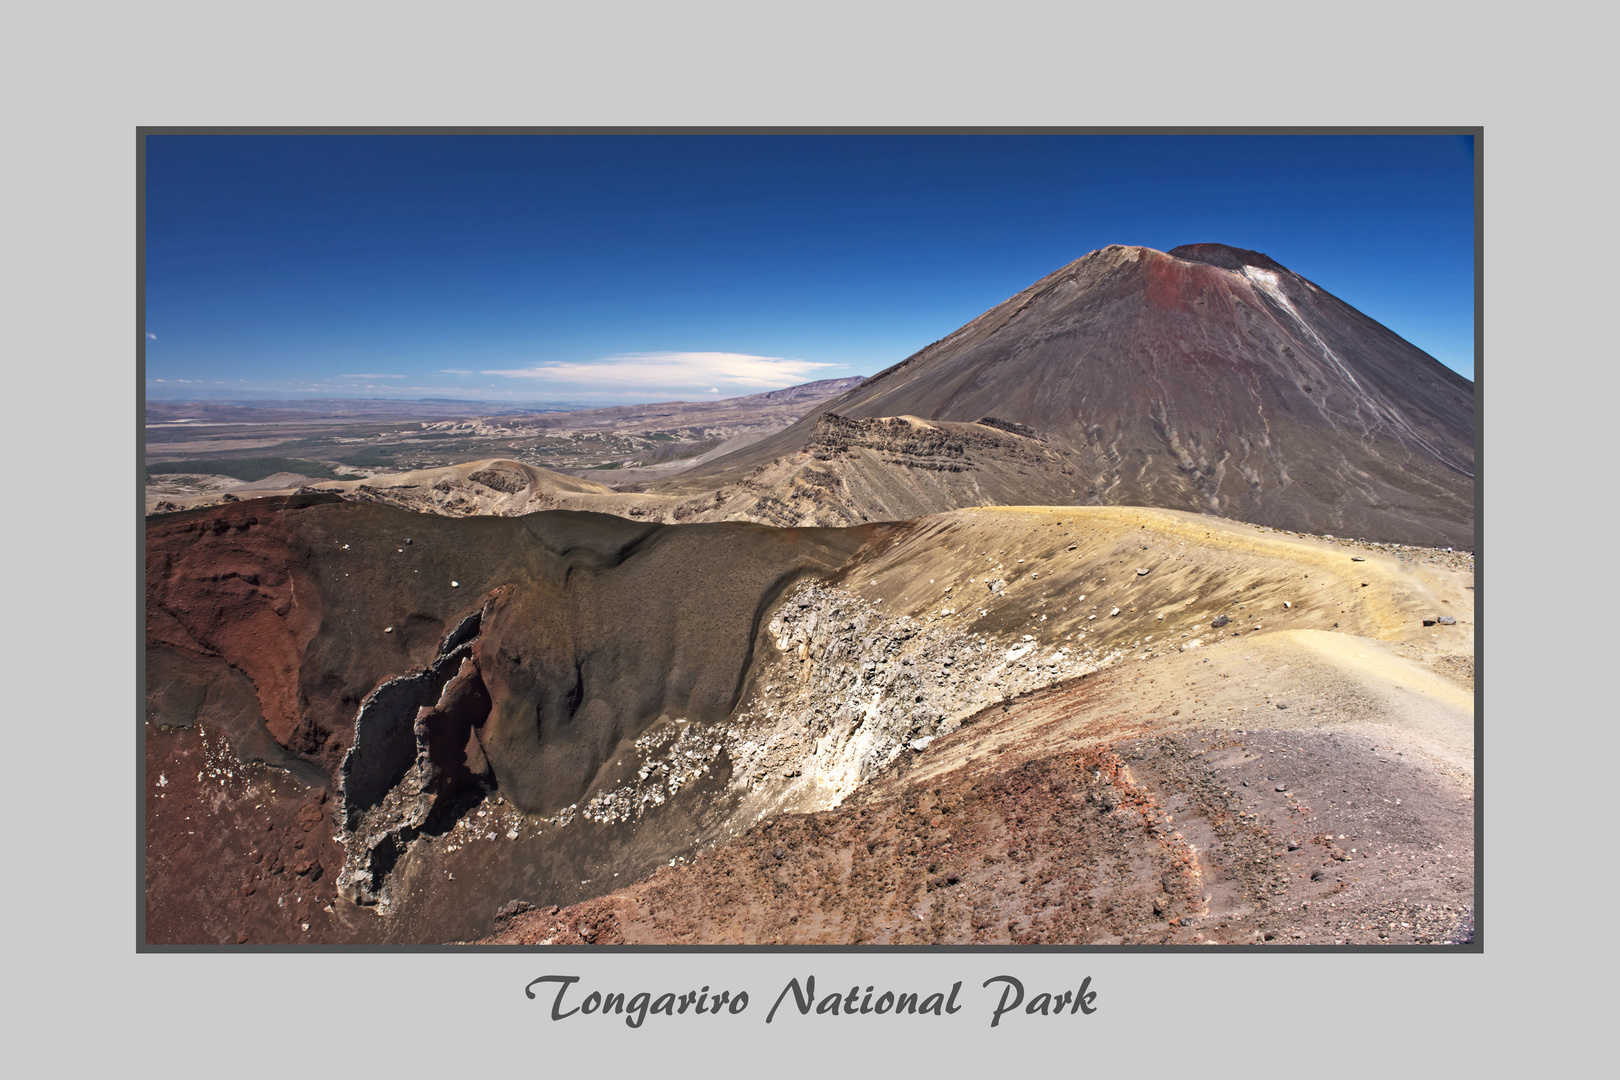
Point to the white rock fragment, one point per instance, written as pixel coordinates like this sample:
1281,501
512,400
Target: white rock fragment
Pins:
455,584
1111,614
388,629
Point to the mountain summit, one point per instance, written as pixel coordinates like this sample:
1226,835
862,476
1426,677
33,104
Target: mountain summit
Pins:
1207,378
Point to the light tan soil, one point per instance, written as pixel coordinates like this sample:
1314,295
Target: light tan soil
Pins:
1370,733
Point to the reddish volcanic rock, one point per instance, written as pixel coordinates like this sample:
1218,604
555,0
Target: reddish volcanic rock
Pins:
225,586
1059,850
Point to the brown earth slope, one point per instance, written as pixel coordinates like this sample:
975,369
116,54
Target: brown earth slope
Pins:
1274,780
371,725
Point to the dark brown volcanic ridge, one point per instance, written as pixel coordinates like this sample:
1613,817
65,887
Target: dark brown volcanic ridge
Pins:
415,663
1209,379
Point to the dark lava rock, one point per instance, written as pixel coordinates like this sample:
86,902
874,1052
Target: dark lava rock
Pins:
512,908
1220,621
507,481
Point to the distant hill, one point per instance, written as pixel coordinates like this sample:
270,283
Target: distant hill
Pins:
304,409
267,412
750,408
244,468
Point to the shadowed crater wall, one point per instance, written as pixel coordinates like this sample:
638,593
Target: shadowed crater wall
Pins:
514,653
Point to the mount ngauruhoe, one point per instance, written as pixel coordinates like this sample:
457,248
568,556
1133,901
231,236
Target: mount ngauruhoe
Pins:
1209,379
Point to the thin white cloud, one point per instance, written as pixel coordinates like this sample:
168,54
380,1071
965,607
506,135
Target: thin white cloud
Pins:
454,371
699,370
367,375
151,335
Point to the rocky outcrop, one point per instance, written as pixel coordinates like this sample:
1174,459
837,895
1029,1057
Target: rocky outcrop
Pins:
416,752
912,443
850,689
888,469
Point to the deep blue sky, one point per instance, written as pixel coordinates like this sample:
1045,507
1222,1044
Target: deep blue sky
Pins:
649,267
